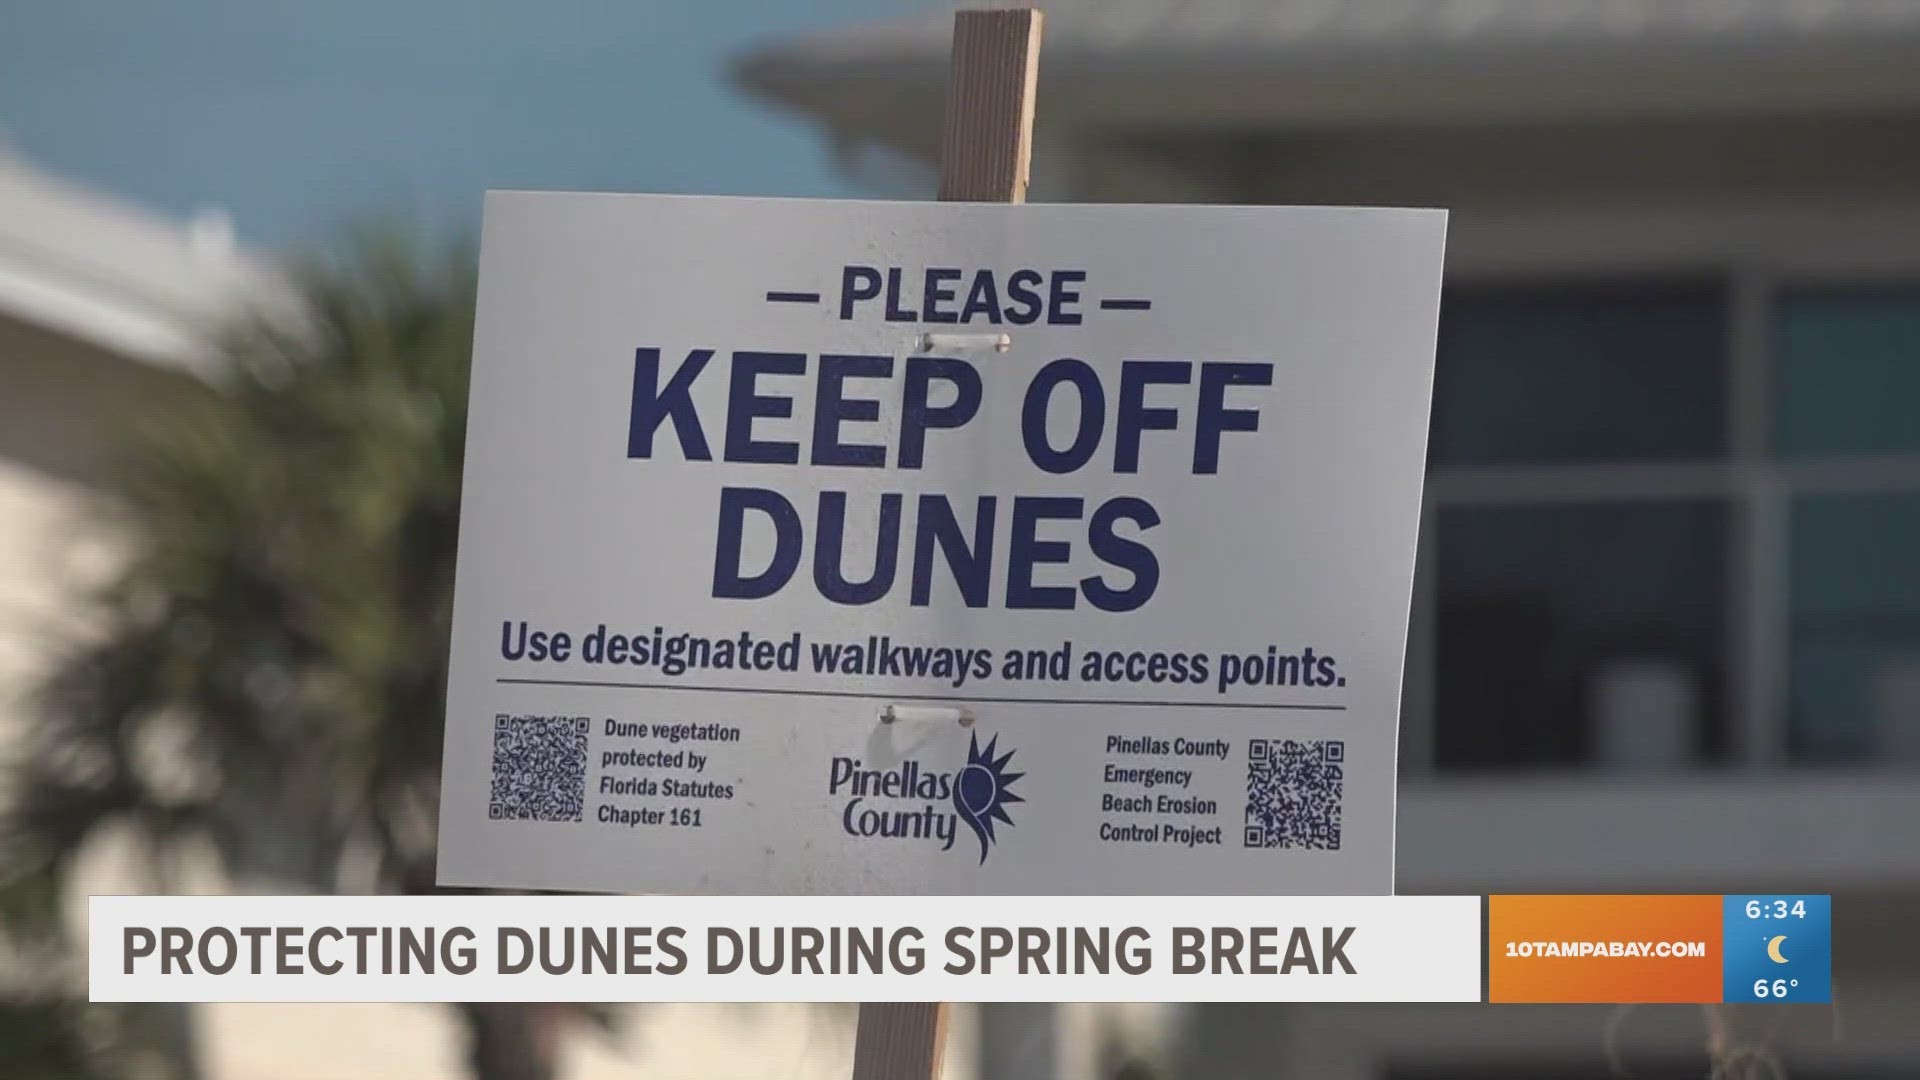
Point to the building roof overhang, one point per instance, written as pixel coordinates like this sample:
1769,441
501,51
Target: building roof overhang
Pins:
96,270
1127,67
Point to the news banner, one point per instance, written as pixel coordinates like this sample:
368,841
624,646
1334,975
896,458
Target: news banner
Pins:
1555,948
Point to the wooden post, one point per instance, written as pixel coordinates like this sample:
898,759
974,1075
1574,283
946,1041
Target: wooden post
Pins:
986,150
899,1040
987,146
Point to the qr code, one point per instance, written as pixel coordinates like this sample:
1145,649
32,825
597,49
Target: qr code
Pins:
1293,793
539,768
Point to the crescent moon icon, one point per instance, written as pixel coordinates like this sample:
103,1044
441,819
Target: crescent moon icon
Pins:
1773,949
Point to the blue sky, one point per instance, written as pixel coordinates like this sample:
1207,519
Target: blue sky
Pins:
299,117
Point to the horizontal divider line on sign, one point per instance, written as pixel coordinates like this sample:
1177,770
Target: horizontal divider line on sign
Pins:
876,696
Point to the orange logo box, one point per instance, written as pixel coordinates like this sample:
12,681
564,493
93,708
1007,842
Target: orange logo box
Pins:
1628,949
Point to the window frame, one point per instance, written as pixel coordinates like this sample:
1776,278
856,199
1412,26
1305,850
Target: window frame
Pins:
1758,486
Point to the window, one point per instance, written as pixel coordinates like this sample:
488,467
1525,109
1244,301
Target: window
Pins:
1577,623
1846,393
1846,370
1580,633
1537,376
1617,571
1854,674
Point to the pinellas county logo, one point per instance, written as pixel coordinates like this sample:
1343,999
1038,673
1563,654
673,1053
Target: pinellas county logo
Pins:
977,795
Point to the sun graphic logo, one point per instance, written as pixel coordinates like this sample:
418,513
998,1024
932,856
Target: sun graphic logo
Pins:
982,791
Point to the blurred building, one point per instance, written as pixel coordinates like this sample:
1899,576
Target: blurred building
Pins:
1667,618
103,313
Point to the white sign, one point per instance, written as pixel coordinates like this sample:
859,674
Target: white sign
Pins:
752,948
858,547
